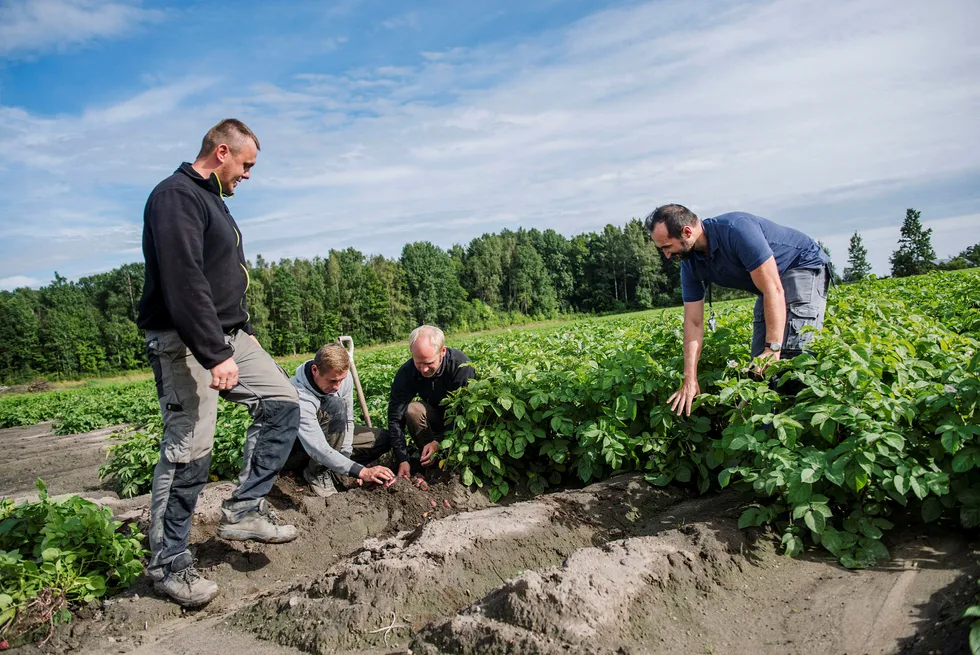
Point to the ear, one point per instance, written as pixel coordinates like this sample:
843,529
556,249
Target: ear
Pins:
315,370
687,231
222,152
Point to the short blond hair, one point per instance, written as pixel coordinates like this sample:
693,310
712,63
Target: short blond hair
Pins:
231,132
434,335
332,357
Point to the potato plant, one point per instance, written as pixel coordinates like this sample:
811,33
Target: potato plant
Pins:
886,418
84,408
882,415
973,612
55,554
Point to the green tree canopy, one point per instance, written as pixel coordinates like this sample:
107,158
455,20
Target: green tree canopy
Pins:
435,290
969,258
71,329
858,267
914,255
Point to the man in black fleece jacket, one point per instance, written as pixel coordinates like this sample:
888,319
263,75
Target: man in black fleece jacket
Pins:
432,373
201,346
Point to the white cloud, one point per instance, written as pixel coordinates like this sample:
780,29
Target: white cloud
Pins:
18,282
38,25
774,108
331,43
151,103
100,142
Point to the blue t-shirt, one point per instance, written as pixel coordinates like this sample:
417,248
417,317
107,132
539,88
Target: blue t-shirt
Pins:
739,243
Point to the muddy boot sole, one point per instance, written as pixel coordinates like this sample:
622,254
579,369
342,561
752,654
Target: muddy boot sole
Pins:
230,533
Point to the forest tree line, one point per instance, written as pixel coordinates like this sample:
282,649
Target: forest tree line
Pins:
70,329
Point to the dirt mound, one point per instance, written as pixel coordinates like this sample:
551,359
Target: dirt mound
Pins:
591,598
330,530
393,586
702,589
619,567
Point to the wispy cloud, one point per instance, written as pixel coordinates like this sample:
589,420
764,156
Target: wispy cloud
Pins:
777,108
18,282
147,105
409,20
755,109
101,140
37,25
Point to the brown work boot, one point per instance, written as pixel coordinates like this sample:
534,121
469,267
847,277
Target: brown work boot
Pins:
182,583
260,523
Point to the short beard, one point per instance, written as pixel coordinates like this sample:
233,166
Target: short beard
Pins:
687,253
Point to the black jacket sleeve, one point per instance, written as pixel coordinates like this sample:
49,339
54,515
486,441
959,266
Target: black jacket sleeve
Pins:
177,220
402,393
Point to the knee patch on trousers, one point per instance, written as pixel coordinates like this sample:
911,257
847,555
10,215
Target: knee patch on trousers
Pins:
280,421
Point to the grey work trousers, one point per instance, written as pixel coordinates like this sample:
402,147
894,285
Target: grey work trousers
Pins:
189,407
805,291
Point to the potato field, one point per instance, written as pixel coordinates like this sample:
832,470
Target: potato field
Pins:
875,428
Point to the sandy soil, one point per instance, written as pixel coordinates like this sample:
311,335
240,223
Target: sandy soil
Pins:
617,567
67,464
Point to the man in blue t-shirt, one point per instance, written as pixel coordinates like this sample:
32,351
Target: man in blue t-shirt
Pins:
784,267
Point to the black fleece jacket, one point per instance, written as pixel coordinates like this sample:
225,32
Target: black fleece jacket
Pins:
409,383
195,266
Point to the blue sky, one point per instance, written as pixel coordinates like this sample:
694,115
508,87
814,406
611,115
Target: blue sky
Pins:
383,123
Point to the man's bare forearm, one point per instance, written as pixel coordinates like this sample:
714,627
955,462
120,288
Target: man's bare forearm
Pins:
774,306
693,340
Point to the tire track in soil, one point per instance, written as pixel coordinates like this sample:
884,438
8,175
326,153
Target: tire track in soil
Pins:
66,463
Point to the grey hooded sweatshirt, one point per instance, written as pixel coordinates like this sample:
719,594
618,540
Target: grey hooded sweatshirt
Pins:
333,412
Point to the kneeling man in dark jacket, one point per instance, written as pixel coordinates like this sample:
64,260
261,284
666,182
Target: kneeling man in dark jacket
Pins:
432,373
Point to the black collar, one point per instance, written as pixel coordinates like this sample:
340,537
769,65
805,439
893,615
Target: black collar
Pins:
211,183
308,369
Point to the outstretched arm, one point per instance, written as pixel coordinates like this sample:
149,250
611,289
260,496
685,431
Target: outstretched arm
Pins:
316,445
680,401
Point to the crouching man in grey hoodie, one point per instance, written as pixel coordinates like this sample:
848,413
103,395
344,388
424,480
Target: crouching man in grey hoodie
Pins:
327,433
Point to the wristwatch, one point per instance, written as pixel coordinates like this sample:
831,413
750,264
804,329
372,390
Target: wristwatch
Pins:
775,346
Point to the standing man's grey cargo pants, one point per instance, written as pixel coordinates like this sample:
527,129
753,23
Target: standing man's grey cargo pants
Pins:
190,406
805,290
